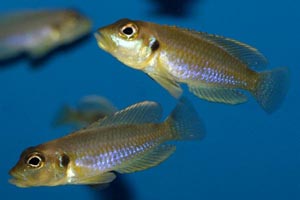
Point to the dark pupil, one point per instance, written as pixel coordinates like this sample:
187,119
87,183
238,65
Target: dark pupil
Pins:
128,31
34,161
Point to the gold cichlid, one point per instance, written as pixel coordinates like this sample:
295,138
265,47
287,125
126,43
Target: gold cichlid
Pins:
215,68
129,140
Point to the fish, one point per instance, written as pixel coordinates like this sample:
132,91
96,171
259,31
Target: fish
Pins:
90,109
37,32
130,140
215,68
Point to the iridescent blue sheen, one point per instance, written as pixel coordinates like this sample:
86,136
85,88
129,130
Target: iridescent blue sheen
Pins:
114,157
192,72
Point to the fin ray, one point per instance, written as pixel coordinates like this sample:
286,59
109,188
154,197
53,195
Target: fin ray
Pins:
217,94
272,88
244,52
170,85
103,178
143,112
184,122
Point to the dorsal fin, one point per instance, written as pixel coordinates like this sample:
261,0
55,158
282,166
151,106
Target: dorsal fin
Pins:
244,52
143,112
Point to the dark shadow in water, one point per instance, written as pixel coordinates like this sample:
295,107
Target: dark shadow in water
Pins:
37,63
119,189
174,8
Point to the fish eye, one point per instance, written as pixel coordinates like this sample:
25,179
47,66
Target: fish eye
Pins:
34,160
128,30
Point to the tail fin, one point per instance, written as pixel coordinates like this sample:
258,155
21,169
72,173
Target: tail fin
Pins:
184,122
64,116
272,88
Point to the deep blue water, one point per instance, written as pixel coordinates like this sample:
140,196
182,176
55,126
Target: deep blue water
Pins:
247,154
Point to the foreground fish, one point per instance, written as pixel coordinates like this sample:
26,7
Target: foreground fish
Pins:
214,68
38,32
128,141
90,109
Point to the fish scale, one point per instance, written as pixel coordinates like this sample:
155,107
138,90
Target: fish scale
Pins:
113,146
130,140
199,56
215,68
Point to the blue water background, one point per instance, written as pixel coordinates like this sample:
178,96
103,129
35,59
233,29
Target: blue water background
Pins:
247,154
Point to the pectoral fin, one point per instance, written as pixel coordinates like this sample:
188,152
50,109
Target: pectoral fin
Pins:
150,159
170,85
221,95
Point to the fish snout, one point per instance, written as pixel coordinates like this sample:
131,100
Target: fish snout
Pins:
101,40
15,172
18,178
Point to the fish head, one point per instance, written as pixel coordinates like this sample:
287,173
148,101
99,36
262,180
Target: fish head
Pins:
129,41
71,25
40,167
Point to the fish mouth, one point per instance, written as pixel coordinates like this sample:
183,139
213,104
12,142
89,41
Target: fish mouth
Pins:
17,179
101,40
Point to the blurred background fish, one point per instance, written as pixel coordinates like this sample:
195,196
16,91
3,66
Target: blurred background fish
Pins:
128,141
37,32
90,109
215,68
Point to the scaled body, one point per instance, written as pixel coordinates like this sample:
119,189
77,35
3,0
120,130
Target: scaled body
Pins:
214,68
128,141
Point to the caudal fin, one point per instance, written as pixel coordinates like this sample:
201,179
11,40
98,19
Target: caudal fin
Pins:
184,122
272,88
64,116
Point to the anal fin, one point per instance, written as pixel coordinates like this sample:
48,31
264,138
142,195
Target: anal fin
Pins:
150,159
218,94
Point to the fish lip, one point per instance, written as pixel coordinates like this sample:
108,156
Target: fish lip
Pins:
15,175
18,182
17,179
101,40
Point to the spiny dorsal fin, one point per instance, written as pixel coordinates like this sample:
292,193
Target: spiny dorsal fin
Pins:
150,159
244,52
143,112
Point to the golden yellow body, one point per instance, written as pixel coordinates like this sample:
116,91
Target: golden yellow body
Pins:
215,68
127,141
